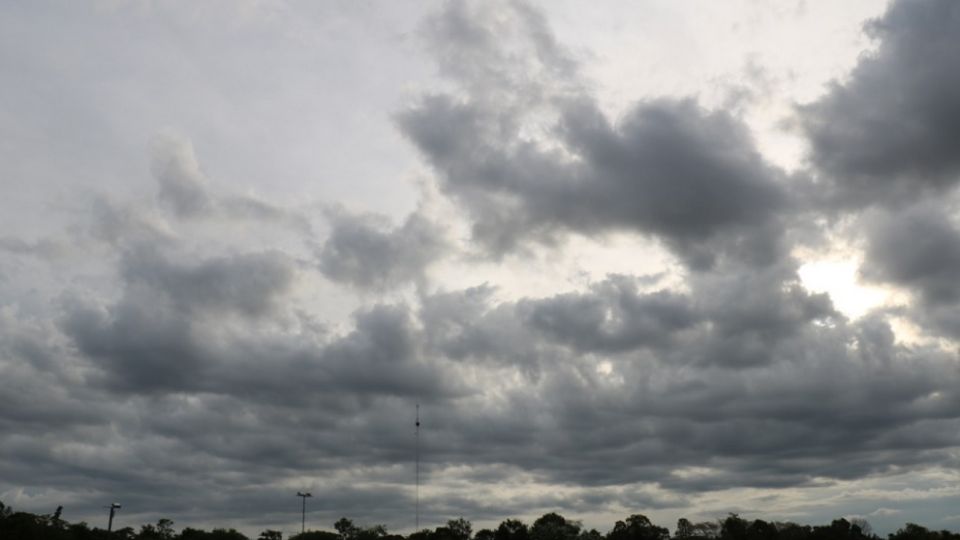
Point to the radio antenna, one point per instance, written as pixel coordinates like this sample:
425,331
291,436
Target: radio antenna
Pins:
417,436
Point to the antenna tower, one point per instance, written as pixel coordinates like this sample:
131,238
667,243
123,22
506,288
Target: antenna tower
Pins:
417,436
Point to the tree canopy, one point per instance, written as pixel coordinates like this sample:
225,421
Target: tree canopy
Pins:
16,525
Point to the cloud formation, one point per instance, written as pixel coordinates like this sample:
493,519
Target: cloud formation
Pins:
361,250
204,354
544,160
889,133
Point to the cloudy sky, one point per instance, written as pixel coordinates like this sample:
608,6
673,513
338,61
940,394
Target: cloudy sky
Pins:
678,258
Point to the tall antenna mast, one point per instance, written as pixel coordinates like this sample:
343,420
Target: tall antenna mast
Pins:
417,435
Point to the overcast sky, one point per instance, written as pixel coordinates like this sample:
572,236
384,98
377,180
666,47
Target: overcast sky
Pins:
677,258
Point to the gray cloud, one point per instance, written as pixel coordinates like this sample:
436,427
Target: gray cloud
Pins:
733,319
612,317
668,168
826,399
251,284
918,248
139,347
811,408
168,333
889,133
124,225
464,326
149,339
186,192
46,248
363,251
807,408
183,187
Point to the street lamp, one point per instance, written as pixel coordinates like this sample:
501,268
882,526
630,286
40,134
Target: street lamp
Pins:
303,515
113,508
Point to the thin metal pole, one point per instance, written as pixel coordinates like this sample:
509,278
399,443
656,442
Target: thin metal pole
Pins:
417,436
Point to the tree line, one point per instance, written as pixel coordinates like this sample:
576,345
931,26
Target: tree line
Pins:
551,526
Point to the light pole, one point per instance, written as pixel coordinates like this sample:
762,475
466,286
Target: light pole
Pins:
303,515
113,508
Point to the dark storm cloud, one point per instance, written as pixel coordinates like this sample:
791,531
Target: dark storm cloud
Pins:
730,319
673,169
808,411
138,347
919,249
889,135
382,357
33,363
807,408
149,338
892,130
465,326
168,332
668,168
250,284
612,317
363,251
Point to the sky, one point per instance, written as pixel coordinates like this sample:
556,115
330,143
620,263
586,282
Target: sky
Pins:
676,258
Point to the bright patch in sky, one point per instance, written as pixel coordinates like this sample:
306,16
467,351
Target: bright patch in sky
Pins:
838,278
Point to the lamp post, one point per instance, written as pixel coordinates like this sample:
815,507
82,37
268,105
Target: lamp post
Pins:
113,508
303,515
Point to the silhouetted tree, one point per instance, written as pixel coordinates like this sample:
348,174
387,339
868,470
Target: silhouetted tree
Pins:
733,528
592,534
373,532
684,529
912,531
346,529
637,527
866,530
441,533
315,535
226,534
126,533
793,531
422,534
163,530
80,531
512,529
694,531
553,526
460,529
761,530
